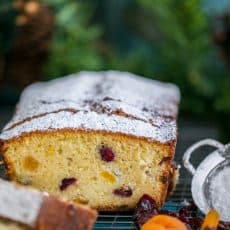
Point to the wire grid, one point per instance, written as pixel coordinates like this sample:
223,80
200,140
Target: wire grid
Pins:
124,220
121,221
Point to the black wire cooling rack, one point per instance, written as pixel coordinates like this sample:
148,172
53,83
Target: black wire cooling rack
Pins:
119,221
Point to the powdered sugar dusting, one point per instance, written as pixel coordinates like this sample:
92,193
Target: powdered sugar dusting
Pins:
219,192
109,101
19,204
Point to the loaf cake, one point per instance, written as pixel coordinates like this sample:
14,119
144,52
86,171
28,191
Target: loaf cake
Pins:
23,209
97,138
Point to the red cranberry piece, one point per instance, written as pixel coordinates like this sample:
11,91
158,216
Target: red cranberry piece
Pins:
189,215
169,213
223,226
66,182
107,154
123,192
195,222
145,209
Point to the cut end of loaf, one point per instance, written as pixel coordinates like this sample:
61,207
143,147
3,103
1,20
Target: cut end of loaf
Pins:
23,208
103,170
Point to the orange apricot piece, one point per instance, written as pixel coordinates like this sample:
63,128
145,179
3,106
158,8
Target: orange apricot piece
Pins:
211,220
164,222
151,226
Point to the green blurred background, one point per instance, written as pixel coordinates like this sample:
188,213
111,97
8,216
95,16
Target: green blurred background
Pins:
186,42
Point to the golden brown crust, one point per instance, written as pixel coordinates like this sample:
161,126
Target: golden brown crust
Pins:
171,143
57,215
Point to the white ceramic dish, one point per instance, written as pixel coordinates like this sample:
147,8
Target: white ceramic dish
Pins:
205,172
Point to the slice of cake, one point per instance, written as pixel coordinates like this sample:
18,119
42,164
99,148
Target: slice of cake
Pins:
97,138
23,209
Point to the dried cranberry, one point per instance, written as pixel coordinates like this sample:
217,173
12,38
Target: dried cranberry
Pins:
195,222
66,182
107,154
170,213
145,209
188,214
123,191
223,226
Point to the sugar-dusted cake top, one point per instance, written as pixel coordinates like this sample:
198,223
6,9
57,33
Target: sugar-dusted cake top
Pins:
110,101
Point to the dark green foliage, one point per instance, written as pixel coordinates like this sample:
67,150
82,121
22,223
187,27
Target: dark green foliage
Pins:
187,56
181,40
7,27
176,45
75,41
